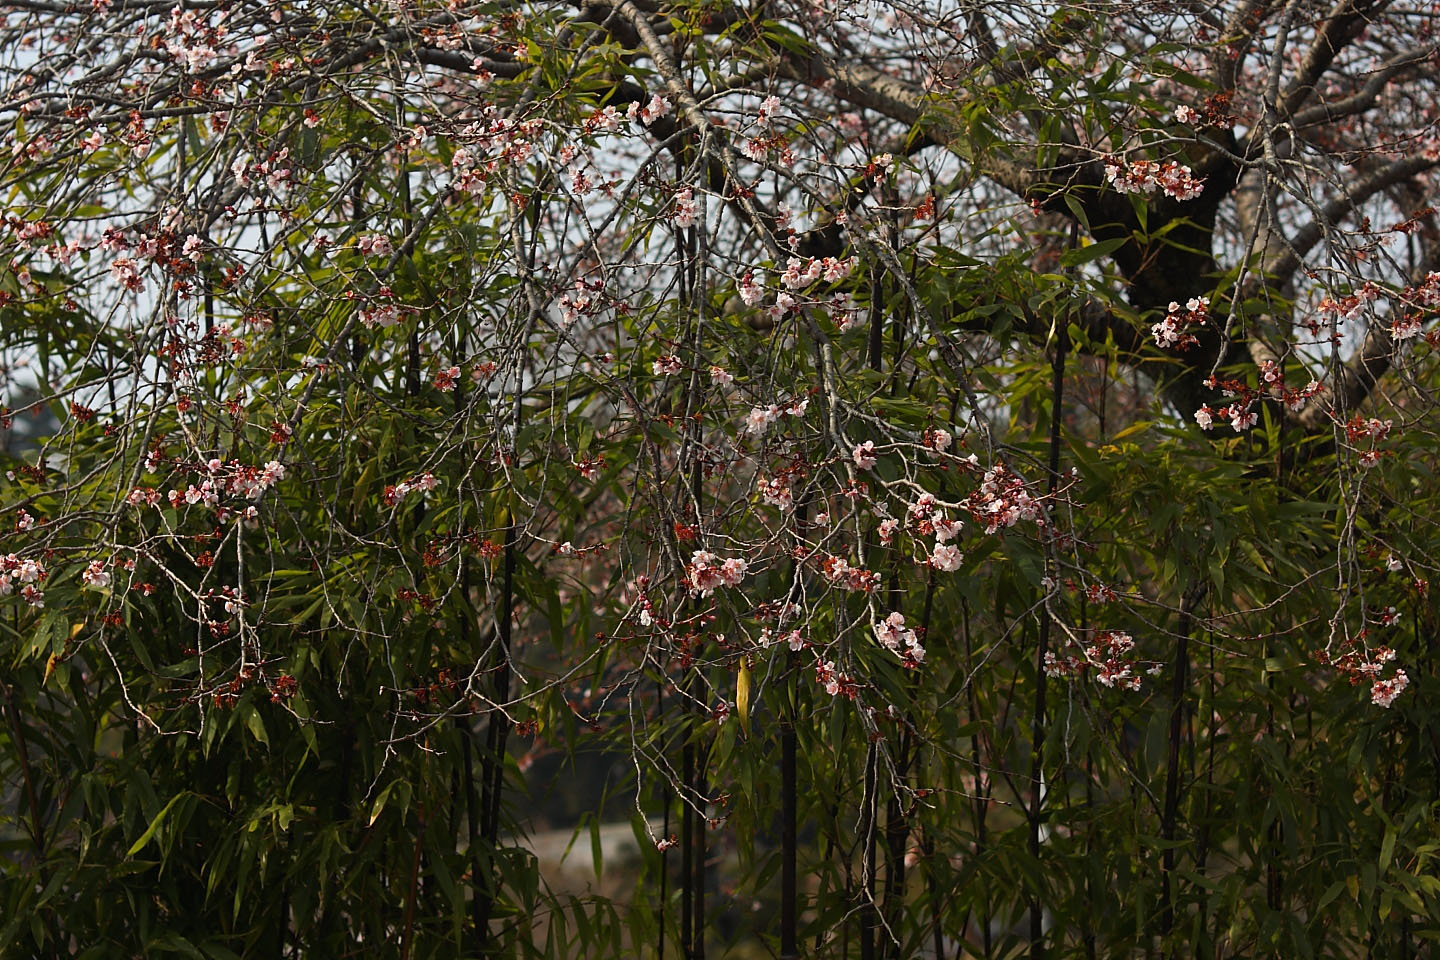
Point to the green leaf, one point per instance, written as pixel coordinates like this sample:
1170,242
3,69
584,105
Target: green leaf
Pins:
138,845
254,723
1092,252
597,851
378,807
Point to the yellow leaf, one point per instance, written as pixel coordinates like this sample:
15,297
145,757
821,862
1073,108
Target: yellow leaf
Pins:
1138,427
50,667
742,695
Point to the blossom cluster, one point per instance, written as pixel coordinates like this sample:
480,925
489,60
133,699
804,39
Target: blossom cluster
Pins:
758,420
686,209
1366,666
95,575
1426,297
758,148
836,682
1241,413
1359,428
935,439
381,310
899,639
1110,656
492,141
794,639
27,573
222,479
801,273
588,297
1349,307
776,490
706,571
274,171
1175,330
925,517
1003,501
1427,293
1383,692
1145,176
650,112
1372,430
423,483
838,572
193,41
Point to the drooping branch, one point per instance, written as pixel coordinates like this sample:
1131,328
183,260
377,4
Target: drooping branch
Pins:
1306,238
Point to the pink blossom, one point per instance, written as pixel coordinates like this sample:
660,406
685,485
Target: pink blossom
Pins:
126,271
776,492
375,245
706,572
1384,692
652,111
1242,417
946,558
838,268
685,209
937,440
864,455
751,291
95,576
784,303
894,636
760,418
1144,176
881,166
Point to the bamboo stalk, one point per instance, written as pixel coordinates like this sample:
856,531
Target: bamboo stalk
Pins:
1037,720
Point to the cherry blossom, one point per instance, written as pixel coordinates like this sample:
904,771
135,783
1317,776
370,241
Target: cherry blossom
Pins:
1145,176
650,112
685,210
95,576
947,558
1384,692
705,572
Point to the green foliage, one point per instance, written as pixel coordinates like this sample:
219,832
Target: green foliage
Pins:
367,537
